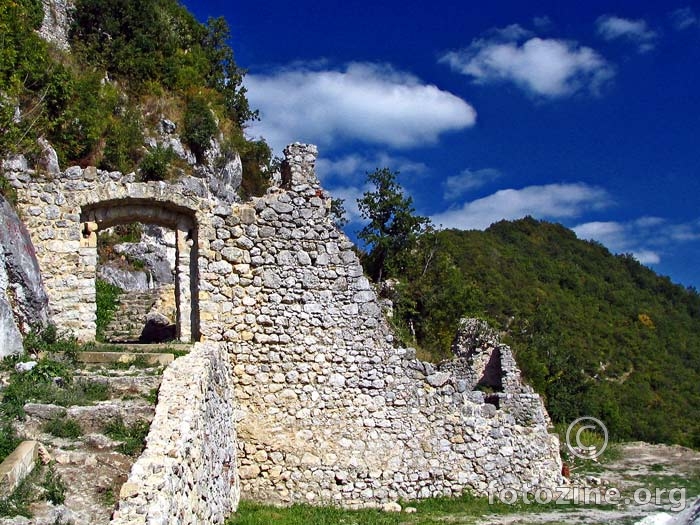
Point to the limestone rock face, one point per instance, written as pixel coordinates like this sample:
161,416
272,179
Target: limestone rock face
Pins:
127,280
23,300
56,24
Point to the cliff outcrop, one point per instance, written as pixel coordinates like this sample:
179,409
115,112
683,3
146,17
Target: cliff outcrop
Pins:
23,300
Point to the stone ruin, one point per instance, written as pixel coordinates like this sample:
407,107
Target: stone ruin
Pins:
319,403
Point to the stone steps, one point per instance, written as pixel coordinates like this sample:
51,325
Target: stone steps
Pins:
92,466
129,319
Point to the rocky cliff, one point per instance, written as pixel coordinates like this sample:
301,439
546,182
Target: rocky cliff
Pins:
23,300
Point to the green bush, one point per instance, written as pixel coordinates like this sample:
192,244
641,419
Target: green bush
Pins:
123,143
156,163
133,437
63,427
54,486
7,191
200,125
8,439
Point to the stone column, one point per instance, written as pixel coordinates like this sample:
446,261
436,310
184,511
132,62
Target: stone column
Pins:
85,301
183,294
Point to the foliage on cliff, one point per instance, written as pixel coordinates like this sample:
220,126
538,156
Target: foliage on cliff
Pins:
132,62
597,334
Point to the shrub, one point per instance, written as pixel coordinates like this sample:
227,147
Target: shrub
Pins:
63,427
133,437
123,143
156,163
8,439
54,486
200,125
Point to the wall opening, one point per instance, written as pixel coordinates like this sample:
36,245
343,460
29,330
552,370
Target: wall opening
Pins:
124,237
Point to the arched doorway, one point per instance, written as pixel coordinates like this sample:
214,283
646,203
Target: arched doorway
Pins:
99,216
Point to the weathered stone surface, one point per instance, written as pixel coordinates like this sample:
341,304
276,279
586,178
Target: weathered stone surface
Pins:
23,301
56,24
187,474
127,280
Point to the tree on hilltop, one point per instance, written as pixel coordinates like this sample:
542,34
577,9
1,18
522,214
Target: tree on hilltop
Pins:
393,225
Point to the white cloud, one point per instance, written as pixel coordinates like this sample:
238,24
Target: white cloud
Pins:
544,67
354,167
646,238
373,103
683,18
350,194
611,27
551,201
458,185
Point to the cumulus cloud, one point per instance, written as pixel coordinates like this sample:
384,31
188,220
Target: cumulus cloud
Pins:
373,103
551,201
625,237
683,18
544,67
458,185
611,27
355,166
350,194
646,238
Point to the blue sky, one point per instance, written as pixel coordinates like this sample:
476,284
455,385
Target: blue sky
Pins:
583,113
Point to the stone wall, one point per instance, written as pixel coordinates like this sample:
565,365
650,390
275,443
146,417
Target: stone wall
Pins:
64,211
332,409
187,474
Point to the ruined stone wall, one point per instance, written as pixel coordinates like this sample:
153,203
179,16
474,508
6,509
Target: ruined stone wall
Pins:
187,473
63,212
332,410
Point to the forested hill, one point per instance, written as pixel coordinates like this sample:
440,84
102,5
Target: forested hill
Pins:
595,333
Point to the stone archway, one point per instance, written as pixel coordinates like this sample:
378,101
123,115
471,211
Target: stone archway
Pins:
105,214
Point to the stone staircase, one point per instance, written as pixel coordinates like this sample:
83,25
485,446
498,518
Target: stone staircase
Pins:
129,319
94,465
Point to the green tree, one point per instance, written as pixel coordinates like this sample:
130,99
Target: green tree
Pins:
393,225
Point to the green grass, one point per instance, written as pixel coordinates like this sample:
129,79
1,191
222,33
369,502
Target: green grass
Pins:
43,483
133,437
31,387
464,509
8,439
63,427
106,298
250,513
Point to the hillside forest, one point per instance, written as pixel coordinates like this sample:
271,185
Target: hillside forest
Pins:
595,333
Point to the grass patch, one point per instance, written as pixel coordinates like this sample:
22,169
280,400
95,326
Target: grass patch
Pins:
107,303
54,486
30,387
8,439
17,503
63,427
44,481
152,396
250,513
432,511
691,483
133,437
107,496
